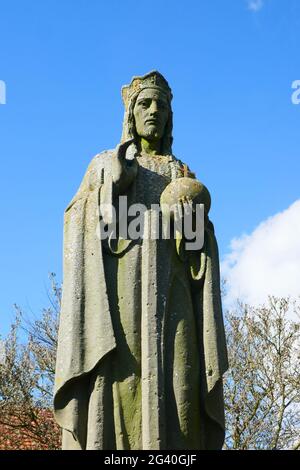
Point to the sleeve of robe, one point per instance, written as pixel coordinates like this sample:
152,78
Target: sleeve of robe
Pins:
213,351
85,332
205,270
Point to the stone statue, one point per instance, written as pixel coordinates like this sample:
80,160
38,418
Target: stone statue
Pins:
141,347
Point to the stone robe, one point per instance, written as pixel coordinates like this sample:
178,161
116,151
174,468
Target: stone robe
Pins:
141,349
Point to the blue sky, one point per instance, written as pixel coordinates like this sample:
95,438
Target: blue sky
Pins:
230,63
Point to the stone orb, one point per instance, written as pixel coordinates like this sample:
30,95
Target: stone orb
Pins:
186,187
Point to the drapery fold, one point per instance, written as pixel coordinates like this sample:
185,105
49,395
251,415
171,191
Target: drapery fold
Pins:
86,334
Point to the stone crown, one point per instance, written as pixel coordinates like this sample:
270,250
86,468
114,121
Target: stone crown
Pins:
152,79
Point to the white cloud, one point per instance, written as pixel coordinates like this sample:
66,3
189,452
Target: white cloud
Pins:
266,262
255,5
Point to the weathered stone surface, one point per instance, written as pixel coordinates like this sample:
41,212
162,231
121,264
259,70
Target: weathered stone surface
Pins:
189,188
141,349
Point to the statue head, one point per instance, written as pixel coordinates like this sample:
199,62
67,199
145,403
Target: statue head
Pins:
148,112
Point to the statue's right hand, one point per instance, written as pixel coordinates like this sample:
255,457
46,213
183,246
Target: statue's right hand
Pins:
123,171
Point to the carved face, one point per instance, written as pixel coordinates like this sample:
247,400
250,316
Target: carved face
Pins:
151,113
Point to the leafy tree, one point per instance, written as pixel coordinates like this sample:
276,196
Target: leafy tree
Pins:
262,387
26,379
